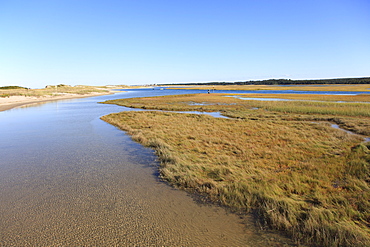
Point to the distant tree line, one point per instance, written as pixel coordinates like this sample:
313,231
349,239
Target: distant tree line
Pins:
13,87
363,80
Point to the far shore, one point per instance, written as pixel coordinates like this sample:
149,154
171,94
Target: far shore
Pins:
11,102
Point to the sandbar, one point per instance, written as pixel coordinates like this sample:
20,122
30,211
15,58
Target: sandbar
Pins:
7,103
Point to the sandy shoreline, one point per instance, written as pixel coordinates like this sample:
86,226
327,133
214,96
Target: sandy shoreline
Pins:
11,102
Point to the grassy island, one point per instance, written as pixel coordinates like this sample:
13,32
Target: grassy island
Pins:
281,159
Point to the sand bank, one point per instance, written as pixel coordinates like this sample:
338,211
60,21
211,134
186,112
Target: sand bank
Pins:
8,103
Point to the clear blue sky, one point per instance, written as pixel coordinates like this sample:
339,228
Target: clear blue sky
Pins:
132,42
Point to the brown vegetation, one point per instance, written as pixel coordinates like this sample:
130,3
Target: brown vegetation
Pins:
281,160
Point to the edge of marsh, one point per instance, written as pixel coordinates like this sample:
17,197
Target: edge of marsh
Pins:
322,217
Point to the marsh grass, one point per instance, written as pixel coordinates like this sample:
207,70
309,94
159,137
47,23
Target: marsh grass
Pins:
350,115
312,97
301,176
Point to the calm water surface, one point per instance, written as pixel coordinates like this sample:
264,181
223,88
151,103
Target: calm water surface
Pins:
68,178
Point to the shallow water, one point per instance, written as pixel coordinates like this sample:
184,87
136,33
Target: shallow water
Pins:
336,126
261,99
68,178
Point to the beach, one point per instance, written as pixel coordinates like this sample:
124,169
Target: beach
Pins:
7,103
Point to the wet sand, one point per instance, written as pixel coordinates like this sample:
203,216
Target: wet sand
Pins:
102,202
78,198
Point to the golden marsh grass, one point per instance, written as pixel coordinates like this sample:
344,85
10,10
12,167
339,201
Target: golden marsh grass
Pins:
300,174
351,115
